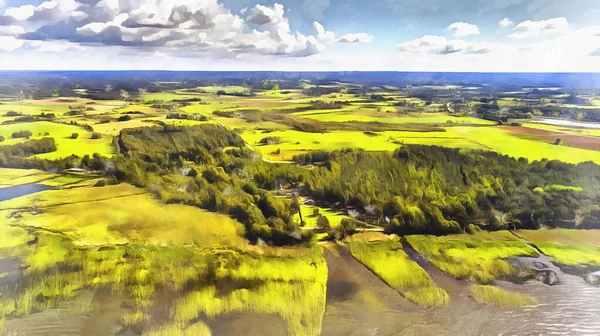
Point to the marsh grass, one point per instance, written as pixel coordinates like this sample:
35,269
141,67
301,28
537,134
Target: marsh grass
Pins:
477,257
498,297
388,260
571,255
206,280
563,236
293,288
567,247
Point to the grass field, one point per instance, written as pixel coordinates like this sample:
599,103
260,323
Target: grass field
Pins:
567,247
496,139
65,146
394,266
477,257
498,297
294,142
122,214
14,177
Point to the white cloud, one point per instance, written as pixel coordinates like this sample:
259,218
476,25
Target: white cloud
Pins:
323,36
541,29
356,38
10,43
506,23
20,13
431,44
11,30
463,29
182,28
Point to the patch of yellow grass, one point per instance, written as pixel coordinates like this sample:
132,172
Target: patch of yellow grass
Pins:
498,297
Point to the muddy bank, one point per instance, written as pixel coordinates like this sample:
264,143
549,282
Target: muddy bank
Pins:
247,324
359,303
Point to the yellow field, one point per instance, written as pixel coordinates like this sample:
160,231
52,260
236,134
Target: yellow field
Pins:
121,214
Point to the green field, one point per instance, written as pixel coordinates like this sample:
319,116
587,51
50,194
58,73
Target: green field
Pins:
65,146
496,139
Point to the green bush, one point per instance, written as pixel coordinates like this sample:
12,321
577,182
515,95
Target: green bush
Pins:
74,135
21,134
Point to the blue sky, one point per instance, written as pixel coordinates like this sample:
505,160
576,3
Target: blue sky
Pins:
403,35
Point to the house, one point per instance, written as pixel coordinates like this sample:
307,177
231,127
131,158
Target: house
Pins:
309,202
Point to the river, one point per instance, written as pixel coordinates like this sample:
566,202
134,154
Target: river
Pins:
367,306
567,123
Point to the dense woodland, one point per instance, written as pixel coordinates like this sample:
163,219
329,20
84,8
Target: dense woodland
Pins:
429,189
210,167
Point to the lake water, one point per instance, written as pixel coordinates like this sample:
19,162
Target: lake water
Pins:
22,190
567,123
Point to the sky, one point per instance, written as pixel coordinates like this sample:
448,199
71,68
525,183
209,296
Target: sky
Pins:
301,35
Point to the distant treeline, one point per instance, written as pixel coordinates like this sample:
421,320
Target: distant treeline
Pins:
430,189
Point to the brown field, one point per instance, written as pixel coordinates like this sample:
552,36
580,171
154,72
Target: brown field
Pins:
571,140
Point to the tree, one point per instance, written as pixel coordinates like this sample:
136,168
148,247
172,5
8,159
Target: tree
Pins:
74,135
1,138
558,141
323,222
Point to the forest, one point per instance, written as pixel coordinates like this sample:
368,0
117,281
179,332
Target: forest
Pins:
430,189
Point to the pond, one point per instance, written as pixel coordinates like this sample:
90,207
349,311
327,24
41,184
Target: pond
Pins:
22,190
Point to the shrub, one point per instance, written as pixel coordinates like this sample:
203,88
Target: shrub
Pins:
96,136
323,222
1,138
270,140
125,118
21,134
74,135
